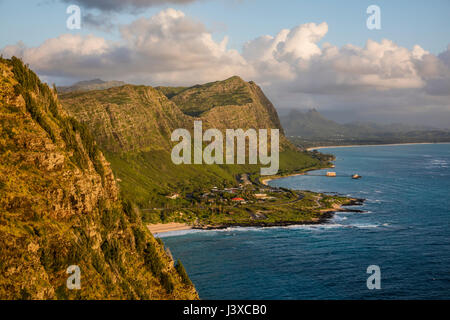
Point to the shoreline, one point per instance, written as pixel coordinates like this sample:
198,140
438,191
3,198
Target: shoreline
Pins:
373,145
325,217
158,228
265,181
162,228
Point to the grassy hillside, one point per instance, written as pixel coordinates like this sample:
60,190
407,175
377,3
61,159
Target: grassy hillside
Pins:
60,206
127,118
201,98
148,177
232,103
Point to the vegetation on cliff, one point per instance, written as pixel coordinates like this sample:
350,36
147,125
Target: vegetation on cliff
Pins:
60,206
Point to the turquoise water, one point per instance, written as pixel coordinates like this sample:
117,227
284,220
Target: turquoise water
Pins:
405,230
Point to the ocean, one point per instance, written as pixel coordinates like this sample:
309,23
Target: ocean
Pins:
404,230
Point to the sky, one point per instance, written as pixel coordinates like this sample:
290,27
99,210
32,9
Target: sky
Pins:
304,54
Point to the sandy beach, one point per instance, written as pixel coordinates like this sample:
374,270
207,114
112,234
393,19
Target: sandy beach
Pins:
167,227
267,180
372,145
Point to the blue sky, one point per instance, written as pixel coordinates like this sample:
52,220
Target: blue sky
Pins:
408,23
320,54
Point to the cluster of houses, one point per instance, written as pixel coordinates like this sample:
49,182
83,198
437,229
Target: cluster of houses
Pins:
245,192
224,195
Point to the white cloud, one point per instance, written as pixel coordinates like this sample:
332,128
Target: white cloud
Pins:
166,48
382,65
293,66
381,78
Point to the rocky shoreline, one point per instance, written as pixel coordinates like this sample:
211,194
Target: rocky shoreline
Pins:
324,218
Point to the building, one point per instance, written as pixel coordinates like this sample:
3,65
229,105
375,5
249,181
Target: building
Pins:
260,195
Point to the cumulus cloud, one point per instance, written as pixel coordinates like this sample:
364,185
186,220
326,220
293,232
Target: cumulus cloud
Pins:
309,68
381,79
168,48
104,21
294,66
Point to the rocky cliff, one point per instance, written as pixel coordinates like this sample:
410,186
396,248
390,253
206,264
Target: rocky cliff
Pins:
60,206
134,118
232,103
127,118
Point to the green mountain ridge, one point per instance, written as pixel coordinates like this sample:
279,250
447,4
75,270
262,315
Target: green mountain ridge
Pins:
60,206
133,125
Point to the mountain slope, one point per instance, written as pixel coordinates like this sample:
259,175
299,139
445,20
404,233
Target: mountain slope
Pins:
60,206
127,118
310,124
133,124
232,103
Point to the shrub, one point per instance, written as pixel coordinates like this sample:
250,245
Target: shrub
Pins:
166,282
139,239
183,274
152,259
129,210
111,251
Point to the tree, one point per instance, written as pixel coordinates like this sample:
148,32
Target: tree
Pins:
182,272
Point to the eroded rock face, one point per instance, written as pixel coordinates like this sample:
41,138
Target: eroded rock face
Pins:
127,118
68,189
59,206
135,118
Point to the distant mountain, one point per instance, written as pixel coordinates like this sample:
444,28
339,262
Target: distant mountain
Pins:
89,85
311,124
312,127
60,206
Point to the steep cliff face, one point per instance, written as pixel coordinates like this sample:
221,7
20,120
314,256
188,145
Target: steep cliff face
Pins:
232,103
59,206
127,118
137,118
